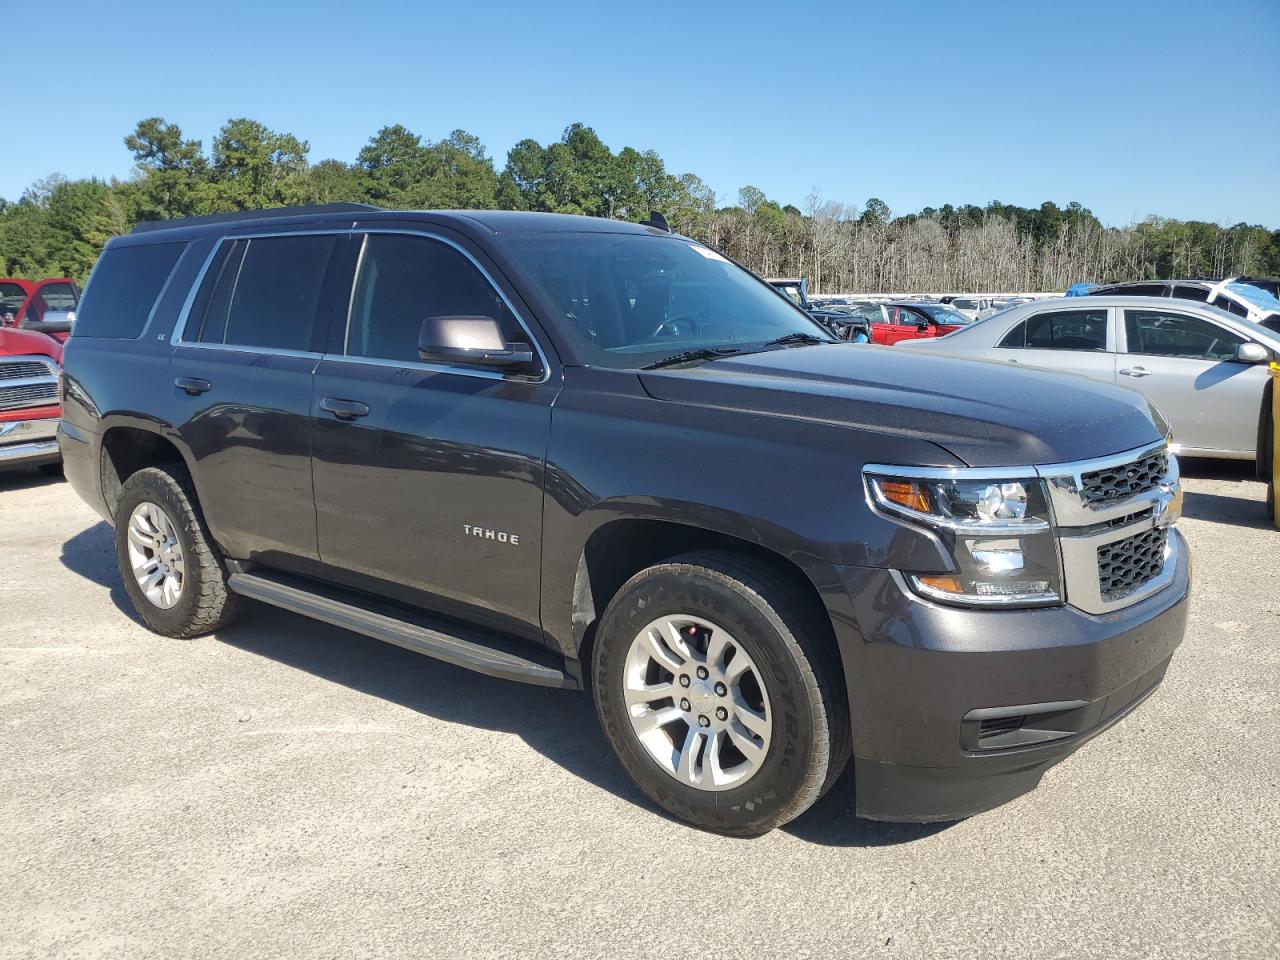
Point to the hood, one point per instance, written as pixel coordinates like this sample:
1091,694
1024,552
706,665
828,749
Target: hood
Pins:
986,415
15,342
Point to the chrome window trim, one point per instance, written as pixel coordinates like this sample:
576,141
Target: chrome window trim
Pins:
462,370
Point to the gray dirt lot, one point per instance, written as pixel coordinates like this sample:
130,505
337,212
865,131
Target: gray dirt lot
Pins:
287,789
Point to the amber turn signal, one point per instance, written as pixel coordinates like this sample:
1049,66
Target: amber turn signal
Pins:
905,493
947,584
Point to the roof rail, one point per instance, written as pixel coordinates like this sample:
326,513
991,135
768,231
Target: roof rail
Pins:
239,215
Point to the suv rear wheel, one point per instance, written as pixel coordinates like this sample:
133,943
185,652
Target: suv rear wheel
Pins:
719,694
171,570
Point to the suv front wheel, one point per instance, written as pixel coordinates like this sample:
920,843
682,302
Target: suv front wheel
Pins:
170,566
720,694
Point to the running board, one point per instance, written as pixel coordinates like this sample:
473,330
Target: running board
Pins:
443,643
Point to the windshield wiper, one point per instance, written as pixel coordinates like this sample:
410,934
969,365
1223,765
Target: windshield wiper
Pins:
692,356
796,338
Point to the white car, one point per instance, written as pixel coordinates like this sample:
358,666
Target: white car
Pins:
1233,295
1203,368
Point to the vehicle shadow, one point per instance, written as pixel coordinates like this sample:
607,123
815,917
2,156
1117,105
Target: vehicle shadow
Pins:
1248,510
26,478
559,724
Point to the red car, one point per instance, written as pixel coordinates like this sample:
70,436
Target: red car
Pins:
912,320
29,405
45,306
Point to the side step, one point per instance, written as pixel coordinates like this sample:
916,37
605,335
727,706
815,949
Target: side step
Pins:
496,659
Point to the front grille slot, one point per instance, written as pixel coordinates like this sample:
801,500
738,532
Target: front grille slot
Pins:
996,726
1125,565
28,395
1125,480
23,370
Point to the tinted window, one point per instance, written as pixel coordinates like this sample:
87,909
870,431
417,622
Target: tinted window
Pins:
1015,338
1157,334
1068,330
263,292
403,280
1191,293
126,284
1225,303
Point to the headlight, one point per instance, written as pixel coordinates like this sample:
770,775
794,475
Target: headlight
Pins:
998,531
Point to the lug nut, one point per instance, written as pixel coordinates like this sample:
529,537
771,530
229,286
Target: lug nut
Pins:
684,705
721,689
684,681
703,721
702,673
722,713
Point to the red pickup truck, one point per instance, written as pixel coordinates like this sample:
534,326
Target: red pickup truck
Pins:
45,306
29,405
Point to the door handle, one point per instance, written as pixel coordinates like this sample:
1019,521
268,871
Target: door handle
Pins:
193,386
1011,361
344,409
1136,372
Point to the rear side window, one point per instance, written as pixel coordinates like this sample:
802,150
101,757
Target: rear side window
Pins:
403,280
1191,293
1225,303
127,282
1155,333
262,292
1068,330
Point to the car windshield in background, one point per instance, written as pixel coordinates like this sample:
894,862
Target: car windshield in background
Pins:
632,300
1255,297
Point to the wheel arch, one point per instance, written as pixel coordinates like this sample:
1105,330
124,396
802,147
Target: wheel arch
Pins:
129,444
619,548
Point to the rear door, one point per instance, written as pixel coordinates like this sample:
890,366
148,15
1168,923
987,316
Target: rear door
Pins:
431,492
242,370
1186,364
1079,341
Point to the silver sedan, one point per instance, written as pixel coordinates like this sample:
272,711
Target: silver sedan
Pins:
1204,368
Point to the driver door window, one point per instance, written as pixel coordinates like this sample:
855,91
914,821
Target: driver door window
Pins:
405,279
1154,333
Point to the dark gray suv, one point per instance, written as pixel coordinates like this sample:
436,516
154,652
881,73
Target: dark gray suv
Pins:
596,455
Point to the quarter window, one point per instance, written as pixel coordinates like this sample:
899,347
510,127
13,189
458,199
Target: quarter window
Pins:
1084,330
1155,333
126,284
263,292
402,281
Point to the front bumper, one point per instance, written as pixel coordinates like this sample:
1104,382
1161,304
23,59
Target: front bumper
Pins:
922,679
28,442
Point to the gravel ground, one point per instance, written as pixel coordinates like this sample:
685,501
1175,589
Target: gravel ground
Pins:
286,788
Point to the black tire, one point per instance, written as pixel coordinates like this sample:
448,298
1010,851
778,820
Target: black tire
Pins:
811,739
205,603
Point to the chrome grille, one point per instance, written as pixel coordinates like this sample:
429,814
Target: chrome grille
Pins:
1125,480
28,395
24,369
1125,565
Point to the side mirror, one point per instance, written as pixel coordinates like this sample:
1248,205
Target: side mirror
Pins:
475,341
1252,353
922,327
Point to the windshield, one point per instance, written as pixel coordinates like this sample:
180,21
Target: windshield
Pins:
632,299
1256,297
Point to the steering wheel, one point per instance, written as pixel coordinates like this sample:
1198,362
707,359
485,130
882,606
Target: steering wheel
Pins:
674,324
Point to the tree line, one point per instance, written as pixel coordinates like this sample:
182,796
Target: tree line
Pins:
58,226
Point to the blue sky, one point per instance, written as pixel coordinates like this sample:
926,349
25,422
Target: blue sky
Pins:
1129,107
